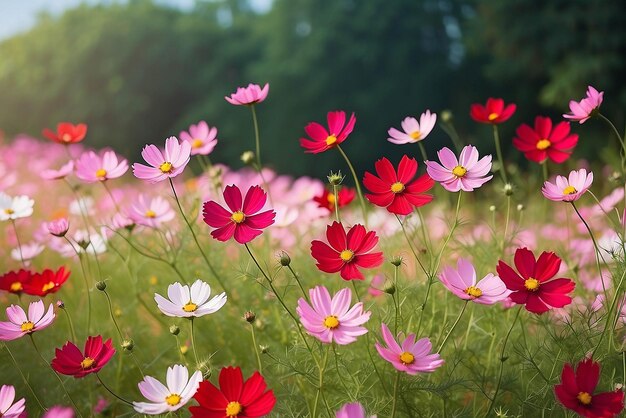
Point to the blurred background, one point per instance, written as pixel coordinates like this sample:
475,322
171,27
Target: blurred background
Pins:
138,71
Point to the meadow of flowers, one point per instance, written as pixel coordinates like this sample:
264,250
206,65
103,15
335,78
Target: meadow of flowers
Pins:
440,285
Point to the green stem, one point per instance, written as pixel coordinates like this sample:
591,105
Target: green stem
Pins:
544,169
86,280
408,240
395,395
104,183
193,343
295,276
71,325
396,299
119,331
111,392
257,140
320,382
422,150
506,224
256,349
356,182
43,408
619,137
19,245
458,318
496,138
449,128
336,203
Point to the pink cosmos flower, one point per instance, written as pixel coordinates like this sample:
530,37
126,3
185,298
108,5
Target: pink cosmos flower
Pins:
59,412
243,220
332,320
21,324
568,189
462,282
201,137
151,213
581,111
411,357
8,409
91,167
61,173
164,165
413,131
467,173
27,252
248,95
322,139
58,227
352,410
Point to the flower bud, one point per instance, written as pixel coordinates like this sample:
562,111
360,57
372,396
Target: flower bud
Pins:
335,179
520,207
492,208
174,330
248,157
249,316
285,260
128,345
508,189
60,304
389,288
264,348
59,227
446,115
101,285
396,260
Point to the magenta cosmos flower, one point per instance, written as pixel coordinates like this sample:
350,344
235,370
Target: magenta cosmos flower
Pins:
248,95
568,189
70,361
58,227
411,357
163,165
8,409
412,130
346,252
202,138
332,320
322,139
91,167
352,410
462,282
467,173
21,324
242,219
583,110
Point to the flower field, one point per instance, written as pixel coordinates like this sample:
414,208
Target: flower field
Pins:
443,285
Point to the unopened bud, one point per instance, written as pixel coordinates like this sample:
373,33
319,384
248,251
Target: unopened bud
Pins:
249,316
389,288
174,330
508,189
446,115
492,208
396,260
335,179
520,207
248,157
285,260
101,285
60,304
264,349
128,345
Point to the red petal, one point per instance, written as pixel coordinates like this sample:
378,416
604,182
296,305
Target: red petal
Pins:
254,201
547,266
385,171
406,169
232,197
231,383
525,262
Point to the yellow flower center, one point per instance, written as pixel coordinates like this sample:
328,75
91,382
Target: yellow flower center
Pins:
27,326
331,198
196,143
407,358
166,167
331,322
87,363
397,187
153,280
531,284
238,217
66,138
569,190
184,349
233,409
493,116
9,211
47,286
459,171
543,144
584,398
415,135
16,287
331,140
173,399
150,213
474,292
101,173
190,307
346,255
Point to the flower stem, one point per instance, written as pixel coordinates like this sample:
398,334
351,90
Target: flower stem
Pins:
43,408
19,245
320,384
336,203
111,392
193,343
256,349
458,318
117,208
119,331
422,150
295,276
356,182
506,224
257,139
408,240
496,138
71,325
86,280
544,169
395,394
619,137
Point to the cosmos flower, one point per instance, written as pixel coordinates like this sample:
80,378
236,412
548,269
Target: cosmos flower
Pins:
178,392
185,302
411,357
201,137
66,133
462,282
322,139
70,361
12,208
13,281
58,227
467,173
568,189
8,409
249,95
326,199
151,213
163,165
59,412
21,324
583,110
91,167
27,252
412,130
494,112
543,141
65,170
46,282
332,320
352,410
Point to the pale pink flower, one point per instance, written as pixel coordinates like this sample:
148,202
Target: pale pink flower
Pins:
8,409
412,130
332,320
58,227
21,324
91,167
568,189
583,110
59,412
376,284
121,221
467,173
201,137
27,252
164,165
61,173
352,410
151,212
248,95
411,357
462,282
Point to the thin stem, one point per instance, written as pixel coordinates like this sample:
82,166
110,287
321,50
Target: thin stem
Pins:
356,182
422,150
193,343
544,169
19,245
619,137
449,128
86,280
506,224
104,183
320,382
111,392
256,349
396,299
257,140
598,254
69,321
295,276
336,202
496,138
458,318
24,378
113,316
408,240
395,394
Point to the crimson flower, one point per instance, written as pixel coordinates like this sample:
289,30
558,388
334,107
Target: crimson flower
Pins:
234,397
345,195
494,112
66,133
14,281
346,252
242,220
532,287
576,389
396,191
322,139
543,141
48,281
70,361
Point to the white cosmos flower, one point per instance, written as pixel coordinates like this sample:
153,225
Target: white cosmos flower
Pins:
179,390
186,303
27,251
15,207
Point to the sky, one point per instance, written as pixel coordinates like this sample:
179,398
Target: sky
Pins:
18,16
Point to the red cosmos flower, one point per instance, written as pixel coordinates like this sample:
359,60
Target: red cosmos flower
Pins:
532,286
543,142
576,389
397,192
494,112
242,220
48,281
14,281
67,133
234,398
346,252
70,361
345,195
322,139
